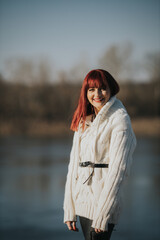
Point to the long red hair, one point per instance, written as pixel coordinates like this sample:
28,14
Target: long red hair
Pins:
97,78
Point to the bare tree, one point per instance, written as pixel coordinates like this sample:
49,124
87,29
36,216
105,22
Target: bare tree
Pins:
28,71
153,69
43,71
116,60
20,70
152,64
79,70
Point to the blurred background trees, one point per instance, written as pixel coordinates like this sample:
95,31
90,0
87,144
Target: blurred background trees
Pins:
29,94
117,59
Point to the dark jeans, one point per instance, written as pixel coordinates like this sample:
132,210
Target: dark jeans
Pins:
89,232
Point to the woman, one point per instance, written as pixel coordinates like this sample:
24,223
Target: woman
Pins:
100,158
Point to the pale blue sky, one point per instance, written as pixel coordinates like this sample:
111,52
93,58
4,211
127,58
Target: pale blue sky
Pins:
63,31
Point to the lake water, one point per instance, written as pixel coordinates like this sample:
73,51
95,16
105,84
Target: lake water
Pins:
32,179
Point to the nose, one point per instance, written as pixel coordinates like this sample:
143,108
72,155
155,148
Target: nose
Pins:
98,92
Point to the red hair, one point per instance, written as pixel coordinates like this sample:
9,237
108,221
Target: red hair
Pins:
97,78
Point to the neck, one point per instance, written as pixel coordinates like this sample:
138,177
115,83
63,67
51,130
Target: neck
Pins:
96,110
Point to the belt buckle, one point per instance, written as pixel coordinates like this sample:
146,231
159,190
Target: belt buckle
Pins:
86,164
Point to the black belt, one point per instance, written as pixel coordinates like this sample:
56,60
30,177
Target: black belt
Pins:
93,165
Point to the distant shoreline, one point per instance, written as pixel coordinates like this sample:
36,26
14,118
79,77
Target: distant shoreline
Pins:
144,127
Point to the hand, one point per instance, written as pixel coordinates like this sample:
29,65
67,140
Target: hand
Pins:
98,230
72,225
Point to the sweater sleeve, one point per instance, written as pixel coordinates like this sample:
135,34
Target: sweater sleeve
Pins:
122,145
68,205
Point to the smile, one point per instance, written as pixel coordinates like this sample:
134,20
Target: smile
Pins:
98,99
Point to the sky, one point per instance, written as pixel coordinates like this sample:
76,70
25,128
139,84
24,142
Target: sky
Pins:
67,31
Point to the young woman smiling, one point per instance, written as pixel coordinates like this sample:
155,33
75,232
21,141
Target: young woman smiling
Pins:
100,158
98,97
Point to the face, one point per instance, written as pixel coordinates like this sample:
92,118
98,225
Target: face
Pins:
98,97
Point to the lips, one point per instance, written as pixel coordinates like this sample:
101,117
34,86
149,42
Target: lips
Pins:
98,99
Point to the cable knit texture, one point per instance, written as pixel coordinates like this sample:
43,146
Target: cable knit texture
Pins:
108,139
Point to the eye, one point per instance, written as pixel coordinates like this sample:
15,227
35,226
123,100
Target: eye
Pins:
91,89
103,89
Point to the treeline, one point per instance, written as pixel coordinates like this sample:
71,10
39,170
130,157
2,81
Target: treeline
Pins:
57,102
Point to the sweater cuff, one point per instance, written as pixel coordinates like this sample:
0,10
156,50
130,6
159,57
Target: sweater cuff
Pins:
101,223
69,216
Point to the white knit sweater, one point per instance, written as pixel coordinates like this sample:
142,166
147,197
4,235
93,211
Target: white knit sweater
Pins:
108,139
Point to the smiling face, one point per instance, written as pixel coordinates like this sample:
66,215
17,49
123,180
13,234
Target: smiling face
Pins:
98,97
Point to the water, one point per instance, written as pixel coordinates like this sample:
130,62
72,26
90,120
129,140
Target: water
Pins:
32,179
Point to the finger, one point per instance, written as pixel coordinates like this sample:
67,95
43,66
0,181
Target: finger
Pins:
74,225
98,230
69,225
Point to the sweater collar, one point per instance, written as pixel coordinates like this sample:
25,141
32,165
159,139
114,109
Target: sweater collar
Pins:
102,113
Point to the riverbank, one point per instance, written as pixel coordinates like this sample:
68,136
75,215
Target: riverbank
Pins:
146,127
142,127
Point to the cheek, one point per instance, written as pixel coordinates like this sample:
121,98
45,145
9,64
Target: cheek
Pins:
89,96
107,95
